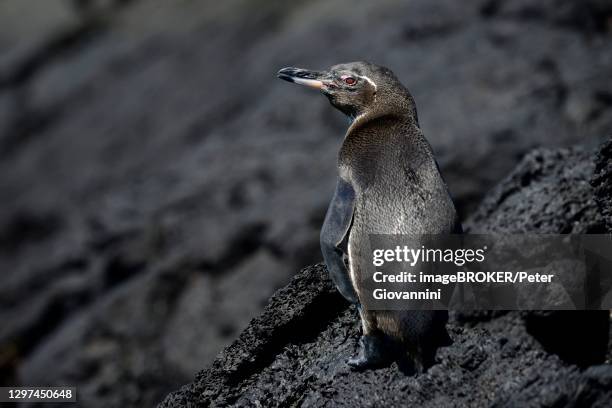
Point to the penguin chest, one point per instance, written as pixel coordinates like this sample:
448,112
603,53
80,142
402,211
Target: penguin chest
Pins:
353,263
358,251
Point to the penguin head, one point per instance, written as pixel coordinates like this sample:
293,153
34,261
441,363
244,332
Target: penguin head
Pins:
355,88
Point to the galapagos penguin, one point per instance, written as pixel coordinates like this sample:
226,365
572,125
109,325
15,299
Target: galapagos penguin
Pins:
388,183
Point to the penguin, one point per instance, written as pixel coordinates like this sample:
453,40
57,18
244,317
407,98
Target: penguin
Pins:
388,183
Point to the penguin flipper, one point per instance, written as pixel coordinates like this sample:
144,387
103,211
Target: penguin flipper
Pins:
335,228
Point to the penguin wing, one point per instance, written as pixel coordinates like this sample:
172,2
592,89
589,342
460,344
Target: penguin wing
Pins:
335,228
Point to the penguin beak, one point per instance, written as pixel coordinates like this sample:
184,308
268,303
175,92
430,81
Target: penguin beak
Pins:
312,79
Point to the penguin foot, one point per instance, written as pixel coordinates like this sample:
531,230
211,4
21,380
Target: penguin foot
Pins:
375,351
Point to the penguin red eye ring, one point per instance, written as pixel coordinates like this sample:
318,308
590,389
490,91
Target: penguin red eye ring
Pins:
349,80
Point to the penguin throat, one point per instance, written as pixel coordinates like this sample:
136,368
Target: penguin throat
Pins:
355,121
352,114
352,117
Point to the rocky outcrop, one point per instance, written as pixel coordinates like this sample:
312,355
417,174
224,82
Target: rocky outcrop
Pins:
548,193
552,192
295,352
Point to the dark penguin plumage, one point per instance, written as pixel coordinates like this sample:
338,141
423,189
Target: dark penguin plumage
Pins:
389,183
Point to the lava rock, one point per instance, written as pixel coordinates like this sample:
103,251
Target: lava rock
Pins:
601,182
549,192
295,352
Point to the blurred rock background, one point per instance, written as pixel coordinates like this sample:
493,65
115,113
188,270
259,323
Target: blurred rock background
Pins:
158,182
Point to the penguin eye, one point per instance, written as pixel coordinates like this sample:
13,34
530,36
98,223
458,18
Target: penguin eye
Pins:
349,80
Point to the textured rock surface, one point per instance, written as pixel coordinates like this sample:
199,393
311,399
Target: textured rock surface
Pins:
601,182
497,359
150,158
550,192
